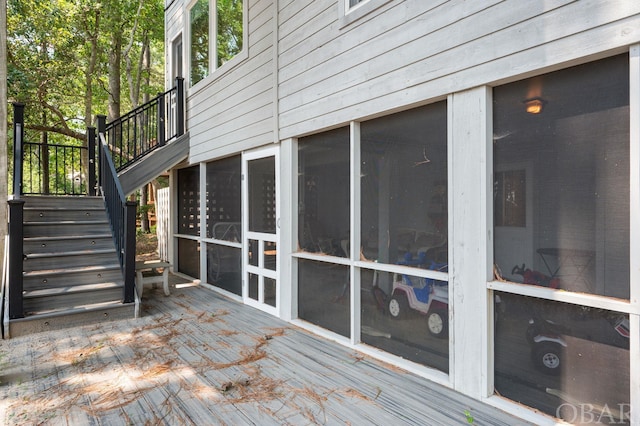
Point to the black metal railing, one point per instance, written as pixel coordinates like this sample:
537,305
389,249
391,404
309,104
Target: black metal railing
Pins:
121,213
51,169
147,127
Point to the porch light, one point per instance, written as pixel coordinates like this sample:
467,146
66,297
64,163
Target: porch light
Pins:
534,105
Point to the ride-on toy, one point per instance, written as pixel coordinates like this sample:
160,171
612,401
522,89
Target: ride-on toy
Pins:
427,296
550,335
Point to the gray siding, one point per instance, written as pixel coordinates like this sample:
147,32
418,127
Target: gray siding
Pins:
233,108
413,51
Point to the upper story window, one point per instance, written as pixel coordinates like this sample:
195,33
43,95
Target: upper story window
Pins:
216,34
352,10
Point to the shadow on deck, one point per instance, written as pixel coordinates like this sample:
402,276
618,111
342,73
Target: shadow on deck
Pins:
196,357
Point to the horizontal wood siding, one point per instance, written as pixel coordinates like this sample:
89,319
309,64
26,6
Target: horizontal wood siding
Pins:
411,52
233,109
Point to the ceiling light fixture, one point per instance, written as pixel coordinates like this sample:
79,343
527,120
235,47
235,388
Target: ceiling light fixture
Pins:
534,105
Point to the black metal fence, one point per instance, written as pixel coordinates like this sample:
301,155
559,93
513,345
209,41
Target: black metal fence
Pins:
53,169
147,127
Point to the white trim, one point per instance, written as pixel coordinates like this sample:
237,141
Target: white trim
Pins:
354,244
260,270
204,276
347,15
634,248
215,72
585,299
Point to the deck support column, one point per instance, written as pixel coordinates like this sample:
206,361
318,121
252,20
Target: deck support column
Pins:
16,234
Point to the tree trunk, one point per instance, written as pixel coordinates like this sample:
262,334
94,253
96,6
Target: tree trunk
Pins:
115,90
88,97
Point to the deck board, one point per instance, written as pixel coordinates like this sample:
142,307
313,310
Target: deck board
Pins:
196,357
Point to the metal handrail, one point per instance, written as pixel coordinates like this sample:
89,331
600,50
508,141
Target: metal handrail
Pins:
147,127
121,213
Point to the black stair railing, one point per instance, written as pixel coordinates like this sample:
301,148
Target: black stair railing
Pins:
16,214
147,127
121,212
42,168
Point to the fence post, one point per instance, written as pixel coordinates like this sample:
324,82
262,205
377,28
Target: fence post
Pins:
129,251
102,128
18,145
180,106
161,114
91,146
16,216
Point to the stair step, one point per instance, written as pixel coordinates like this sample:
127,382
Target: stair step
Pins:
34,245
58,214
60,291
52,300
71,317
71,259
62,228
45,201
71,276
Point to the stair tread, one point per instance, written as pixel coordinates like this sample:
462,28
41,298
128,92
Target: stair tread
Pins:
72,270
60,291
50,313
69,253
68,237
62,208
67,222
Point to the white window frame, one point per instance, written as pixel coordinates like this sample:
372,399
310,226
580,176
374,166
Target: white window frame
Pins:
630,307
214,71
348,14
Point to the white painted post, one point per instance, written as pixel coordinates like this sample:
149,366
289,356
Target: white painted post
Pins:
470,242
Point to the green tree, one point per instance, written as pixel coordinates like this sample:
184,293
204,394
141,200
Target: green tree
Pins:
62,61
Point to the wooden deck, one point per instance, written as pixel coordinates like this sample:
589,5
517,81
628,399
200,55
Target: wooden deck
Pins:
196,357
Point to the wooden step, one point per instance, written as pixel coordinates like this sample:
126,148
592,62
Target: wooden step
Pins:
68,298
71,317
70,259
77,202
62,228
58,214
67,243
71,276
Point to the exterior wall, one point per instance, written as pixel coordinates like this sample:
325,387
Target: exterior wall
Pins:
233,108
413,51
335,70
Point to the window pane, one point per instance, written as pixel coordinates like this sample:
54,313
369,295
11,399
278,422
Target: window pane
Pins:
323,192
224,199
324,295
189,201
262,195
229,36
189,257
561,187
562,359
224,267
199,20
404,187
406,316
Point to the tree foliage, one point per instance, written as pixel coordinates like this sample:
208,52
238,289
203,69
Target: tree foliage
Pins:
58,61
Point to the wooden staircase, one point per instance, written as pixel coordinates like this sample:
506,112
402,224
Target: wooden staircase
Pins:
72,274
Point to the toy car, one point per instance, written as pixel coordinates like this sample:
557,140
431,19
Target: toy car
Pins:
549,338
427,296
